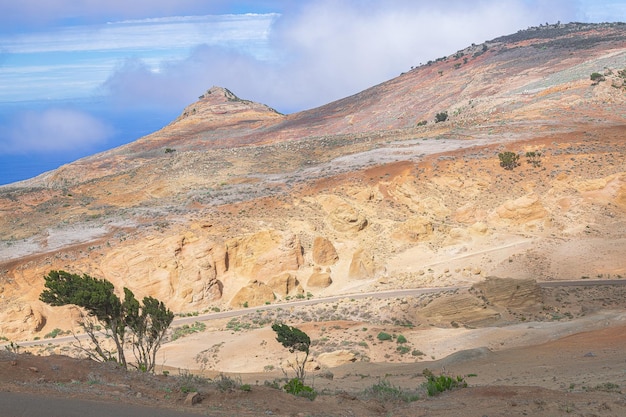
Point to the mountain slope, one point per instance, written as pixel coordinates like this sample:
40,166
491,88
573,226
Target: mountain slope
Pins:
234,204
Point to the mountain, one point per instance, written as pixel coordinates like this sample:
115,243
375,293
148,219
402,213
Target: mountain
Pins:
234,204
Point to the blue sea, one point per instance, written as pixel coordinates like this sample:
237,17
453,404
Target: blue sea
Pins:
127,124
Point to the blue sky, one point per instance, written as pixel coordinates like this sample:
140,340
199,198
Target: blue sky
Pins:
81,76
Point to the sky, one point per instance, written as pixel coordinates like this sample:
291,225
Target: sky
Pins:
81,76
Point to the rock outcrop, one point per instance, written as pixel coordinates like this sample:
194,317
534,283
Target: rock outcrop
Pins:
264,254
336,358
181,268
511,293
522,210
285,284
252,295
324,253
414,230
342,216
363,265
319,279
462,309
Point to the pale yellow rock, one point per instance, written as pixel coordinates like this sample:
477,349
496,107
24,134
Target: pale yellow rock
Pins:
620,198
363,265
336,358
512,293
284,284
347,219
342,216
407,194
522,210
180,269
324,252
319,279
413,230
469,213
478,229
22,319
611,189
459,310
264,254
368,195
252,295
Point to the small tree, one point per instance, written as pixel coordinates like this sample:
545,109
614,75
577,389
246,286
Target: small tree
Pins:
96,296
147,323
295,340
441,117
508,160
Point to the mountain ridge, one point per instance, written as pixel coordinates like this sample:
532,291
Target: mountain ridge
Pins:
259,123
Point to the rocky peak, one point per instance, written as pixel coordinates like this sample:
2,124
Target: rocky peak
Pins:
219,93
221,102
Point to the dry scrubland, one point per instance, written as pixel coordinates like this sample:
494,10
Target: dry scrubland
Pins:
236,207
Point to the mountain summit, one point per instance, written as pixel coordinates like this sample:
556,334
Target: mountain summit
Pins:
220,104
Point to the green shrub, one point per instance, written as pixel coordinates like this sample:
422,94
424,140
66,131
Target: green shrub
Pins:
384,391
596,77
54,333
188,382
296,387
237,326
401,339
441,117
508,160
382,336
225,383
403,349
186,330
534,158
437,384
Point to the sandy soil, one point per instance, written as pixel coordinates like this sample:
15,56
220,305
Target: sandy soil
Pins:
573,365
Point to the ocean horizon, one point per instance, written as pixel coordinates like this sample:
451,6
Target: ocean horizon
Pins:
126,125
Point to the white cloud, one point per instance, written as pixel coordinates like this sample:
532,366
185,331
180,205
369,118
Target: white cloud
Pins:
47,64
315,52
177,33
52,130
328,49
